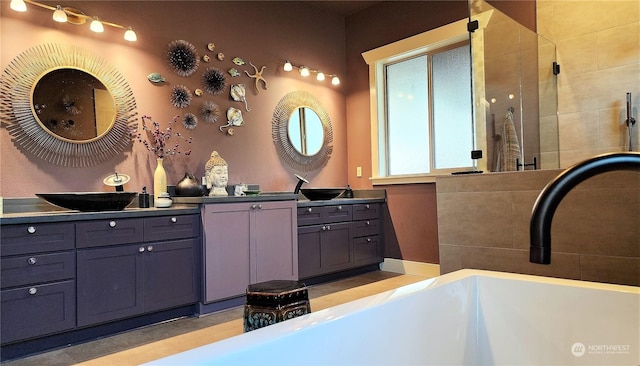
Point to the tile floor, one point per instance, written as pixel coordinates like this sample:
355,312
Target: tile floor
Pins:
161,340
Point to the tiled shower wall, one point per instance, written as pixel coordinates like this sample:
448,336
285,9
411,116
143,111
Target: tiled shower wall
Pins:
598,48
483,223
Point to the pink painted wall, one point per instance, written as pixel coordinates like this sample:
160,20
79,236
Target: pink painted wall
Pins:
265,33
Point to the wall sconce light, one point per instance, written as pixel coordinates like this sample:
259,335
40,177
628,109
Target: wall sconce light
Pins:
59,15
96,25
306,71
74,16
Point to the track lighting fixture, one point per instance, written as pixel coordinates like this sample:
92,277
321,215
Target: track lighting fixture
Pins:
305,71
63,14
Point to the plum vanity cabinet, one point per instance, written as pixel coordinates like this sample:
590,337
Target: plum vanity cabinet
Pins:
338,237
131,266
37,280
246,243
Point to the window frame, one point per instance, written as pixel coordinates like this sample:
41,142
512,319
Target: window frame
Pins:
436,39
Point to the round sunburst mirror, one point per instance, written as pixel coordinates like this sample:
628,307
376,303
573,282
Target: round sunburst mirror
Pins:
67,106
302,132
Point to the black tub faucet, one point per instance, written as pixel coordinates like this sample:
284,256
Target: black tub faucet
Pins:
550,197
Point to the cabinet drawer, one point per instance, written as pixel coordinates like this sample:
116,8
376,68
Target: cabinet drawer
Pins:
171,227
108,232
37,310
36,268
310,215
338,213
36,238
366,250
365,228
363,211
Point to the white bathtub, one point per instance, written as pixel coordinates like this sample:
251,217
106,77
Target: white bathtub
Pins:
467,317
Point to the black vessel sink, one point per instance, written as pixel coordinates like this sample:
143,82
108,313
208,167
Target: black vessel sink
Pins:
317,194
90,201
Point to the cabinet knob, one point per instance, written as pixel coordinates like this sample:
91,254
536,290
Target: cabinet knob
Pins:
32,260
339,208
31,229
33,291
260,207
368,240
253,207
112,224
366,206
150,248
174,219
328,227
141,250
309,209
324,227
368,223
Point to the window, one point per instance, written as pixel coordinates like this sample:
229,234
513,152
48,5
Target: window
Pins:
421,106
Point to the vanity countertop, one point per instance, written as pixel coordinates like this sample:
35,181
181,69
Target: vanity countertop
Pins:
359,196
59,215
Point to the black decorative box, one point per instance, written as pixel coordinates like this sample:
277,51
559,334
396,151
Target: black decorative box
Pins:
274,301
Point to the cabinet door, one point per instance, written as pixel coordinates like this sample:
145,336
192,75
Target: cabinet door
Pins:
37,310
309,251
226,250
171,275
336,251
367,250
275,241
110,283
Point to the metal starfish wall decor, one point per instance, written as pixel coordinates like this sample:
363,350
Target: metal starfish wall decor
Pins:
258,76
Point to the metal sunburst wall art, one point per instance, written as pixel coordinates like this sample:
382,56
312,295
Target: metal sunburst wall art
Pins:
210,112
19,80
183,57
214,81
181,96
190,121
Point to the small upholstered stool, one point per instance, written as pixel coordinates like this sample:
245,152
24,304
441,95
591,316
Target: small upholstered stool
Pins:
274,301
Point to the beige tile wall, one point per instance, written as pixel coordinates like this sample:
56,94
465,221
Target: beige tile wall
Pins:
598,47
483,223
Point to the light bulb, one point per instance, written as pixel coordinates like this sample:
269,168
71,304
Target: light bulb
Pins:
130,35
335,80
288,66
320,76
304,71
96,25
59,15
18,5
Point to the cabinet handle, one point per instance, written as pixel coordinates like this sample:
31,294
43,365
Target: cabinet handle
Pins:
309,210
174,220
368,223
366,206
112,224
31,229
141,250
150,248
339,208
33,291
32,261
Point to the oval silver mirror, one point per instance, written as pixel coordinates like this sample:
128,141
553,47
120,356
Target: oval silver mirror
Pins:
306,132
302,132
73,105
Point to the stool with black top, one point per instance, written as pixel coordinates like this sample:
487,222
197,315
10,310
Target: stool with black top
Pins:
274,301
